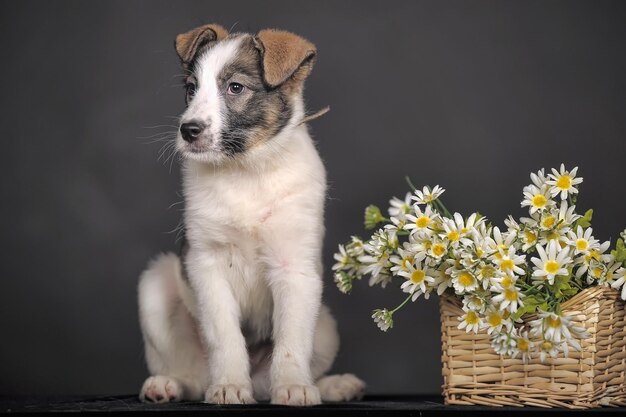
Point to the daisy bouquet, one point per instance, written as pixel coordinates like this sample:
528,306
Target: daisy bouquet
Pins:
511,281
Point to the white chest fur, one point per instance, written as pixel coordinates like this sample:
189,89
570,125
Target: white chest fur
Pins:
241,213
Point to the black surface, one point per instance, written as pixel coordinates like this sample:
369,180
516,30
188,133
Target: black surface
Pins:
370,406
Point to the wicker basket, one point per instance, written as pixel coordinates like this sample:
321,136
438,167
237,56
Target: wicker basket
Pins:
474,374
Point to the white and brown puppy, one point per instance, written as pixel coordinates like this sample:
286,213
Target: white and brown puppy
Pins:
238,316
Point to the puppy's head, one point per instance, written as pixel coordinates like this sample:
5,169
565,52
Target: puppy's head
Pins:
242,90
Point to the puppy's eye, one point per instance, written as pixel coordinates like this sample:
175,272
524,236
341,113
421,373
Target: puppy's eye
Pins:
235,89
191,90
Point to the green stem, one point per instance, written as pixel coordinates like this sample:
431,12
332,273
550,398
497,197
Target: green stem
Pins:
410,183
402,305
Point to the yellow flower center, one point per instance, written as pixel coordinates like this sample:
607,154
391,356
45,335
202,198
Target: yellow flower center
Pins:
552,267
546,345
494,319
507,264
471,318
510,295
597,272
539,201
464,230
477,301
530,237
522,344
418,276
488,271
506,282
548,222
581,244
504,248
454,236
439,249
553,321
466,279
422,221
594,254
564,182
553,235
480,252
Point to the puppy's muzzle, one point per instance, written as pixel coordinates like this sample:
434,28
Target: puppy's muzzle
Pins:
191,131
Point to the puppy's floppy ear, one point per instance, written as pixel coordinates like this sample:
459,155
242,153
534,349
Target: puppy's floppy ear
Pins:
187,44
284,56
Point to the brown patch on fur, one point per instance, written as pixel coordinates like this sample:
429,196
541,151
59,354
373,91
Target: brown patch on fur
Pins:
187,44
284,56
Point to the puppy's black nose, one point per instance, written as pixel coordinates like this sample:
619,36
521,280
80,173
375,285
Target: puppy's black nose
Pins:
191,131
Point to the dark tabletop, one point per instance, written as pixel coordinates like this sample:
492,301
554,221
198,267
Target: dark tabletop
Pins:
369,406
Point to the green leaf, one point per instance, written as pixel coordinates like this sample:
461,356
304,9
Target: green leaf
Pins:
562,289
373,216
620,251
530,306
585,221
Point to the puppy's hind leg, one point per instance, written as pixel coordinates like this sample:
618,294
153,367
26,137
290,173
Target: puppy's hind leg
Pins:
174,354
339,387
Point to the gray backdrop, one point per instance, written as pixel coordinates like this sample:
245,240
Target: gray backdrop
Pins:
472,95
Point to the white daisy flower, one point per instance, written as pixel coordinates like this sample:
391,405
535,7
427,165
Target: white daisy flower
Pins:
595,258
404,258
524,347
567,215
537,198
400,208
494,320
551,263
563,182
582,241
463,281
501,241
342,259
549,219
619,277
555,235
356,247
503,343
547,348
613,272
509,299
442,282
438,248
343,281
474,302
539,179
422,220
457,229
383,319
470,321
501,282
417,277
426,195
529,238
513,227
509,261
555,328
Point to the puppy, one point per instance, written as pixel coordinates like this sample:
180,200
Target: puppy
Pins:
238,316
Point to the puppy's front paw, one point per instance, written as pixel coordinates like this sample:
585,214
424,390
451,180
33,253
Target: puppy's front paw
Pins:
161,389
229,394
296,395
344,387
